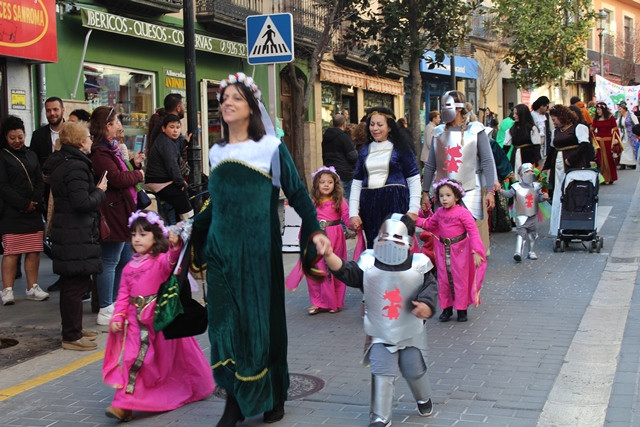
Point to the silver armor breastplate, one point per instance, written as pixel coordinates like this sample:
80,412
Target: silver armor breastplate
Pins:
456,158
388,296
526,199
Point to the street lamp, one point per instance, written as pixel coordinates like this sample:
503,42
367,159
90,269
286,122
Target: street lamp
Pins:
602,16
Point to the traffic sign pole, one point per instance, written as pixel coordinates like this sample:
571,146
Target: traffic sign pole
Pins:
271,75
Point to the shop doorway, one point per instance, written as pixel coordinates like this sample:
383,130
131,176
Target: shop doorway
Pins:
349,104
210,124
287,111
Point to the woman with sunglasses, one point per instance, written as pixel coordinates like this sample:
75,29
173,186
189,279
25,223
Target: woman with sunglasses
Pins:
120,203
606,136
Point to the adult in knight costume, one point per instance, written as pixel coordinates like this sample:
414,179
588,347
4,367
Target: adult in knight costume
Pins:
461,151
400,293
527,194
386,178
242,252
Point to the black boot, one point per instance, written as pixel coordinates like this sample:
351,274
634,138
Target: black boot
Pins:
232,413
276,414
446,314
462,315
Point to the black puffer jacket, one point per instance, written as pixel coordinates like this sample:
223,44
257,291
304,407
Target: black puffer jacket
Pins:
75,228
17,191
339,151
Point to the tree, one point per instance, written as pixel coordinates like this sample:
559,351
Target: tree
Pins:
546,38
489,68
391,32
334,16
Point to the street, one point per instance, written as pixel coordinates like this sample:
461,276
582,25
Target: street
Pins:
555,342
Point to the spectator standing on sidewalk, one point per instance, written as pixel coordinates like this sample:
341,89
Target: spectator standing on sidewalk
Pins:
120,203
21,194
74,233
434,121
339,151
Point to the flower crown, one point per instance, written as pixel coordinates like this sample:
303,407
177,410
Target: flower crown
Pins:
152,218
325,169
239,78
447,181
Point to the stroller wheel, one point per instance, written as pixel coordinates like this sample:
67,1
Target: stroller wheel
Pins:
556,245
593,246
563,245
600,244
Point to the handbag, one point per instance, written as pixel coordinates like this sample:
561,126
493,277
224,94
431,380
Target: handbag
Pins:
177,314
143,199
105,231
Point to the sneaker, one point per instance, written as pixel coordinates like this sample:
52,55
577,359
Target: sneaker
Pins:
83,344
36,294
7,296
86,297
532,255
104,315
425,408
517,257
90,335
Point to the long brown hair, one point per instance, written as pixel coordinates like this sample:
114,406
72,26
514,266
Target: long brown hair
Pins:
336,196
100,117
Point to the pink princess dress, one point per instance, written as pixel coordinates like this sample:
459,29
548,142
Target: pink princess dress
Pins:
329,293
149,372
458,225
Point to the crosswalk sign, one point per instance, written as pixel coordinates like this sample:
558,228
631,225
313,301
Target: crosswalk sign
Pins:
269,38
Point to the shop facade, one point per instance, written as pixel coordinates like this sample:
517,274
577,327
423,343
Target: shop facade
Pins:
131,65
29,37
436,81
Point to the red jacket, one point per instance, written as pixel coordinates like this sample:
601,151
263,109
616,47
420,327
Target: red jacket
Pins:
120,185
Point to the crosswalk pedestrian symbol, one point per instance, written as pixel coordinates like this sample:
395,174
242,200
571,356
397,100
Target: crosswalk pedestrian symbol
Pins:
269,38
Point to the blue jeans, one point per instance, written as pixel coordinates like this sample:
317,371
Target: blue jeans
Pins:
346,186
115,255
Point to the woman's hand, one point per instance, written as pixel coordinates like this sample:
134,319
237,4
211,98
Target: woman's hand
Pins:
490,200
173,239
355,223
138,158
477,260
102,185
322,242
426,203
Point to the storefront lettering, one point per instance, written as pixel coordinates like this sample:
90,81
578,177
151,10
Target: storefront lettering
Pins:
150,31
119,24
175,83
28,15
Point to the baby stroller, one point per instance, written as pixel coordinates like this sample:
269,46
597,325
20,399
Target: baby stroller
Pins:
579,210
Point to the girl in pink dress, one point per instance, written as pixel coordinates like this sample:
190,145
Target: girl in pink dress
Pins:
460,255
149,372
332,210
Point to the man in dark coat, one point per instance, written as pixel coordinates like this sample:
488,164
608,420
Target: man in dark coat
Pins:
44,138
339,151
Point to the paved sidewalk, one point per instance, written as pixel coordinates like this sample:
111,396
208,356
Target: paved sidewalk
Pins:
505,367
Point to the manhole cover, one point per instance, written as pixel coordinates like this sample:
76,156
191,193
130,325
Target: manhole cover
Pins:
301,385
7,342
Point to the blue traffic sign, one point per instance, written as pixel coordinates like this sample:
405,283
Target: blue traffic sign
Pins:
269,38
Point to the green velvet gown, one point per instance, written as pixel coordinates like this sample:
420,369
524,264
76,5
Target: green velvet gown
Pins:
245,277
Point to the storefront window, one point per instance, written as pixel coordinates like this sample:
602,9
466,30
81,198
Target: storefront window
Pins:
373,99
130,92
330,104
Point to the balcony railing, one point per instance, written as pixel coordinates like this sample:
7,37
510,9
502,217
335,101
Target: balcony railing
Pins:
143,7
308,18
227,12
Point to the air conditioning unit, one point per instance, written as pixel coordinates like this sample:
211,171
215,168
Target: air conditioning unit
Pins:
583,74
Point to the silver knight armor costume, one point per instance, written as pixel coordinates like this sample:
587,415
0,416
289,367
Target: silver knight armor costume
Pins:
391,279
458,152
527,194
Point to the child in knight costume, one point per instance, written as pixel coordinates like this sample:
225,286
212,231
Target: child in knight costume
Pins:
399,292
527,194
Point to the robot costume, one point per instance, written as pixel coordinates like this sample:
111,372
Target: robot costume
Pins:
391,278
527,194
